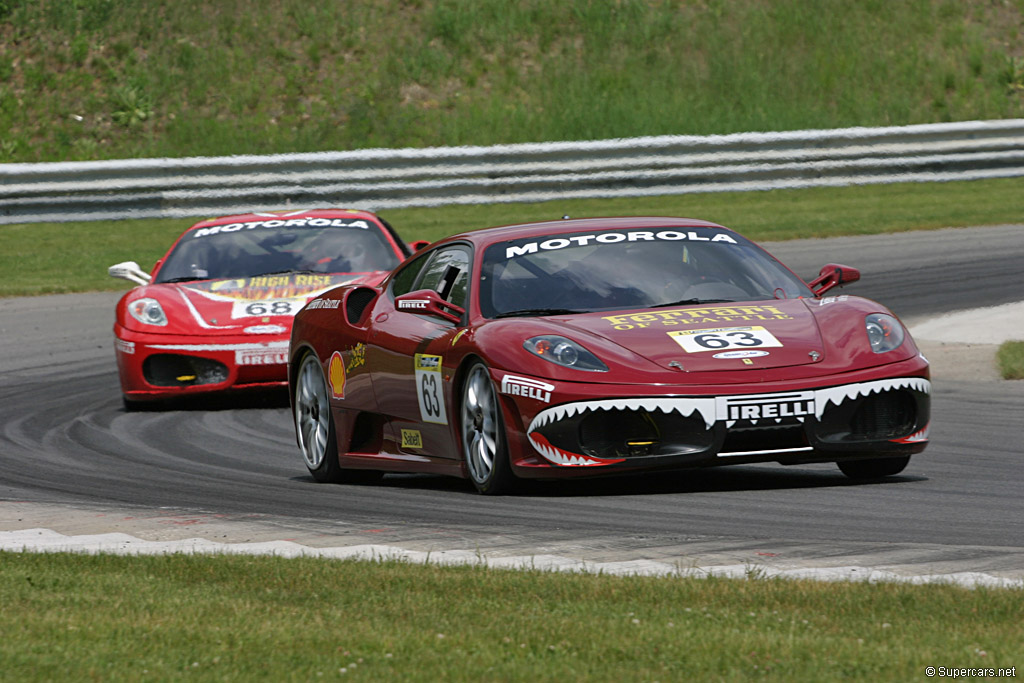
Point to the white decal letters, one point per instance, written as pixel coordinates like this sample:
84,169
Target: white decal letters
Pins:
527,388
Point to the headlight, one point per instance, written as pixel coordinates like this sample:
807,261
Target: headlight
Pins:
564,352
884,332
148,312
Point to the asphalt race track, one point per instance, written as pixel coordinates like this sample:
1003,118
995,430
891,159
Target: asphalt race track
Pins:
72,460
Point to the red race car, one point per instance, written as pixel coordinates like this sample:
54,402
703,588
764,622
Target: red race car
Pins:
582,347
216,311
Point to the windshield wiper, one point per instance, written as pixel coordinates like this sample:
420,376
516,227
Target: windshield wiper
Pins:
526,312
299,271
693,302
184,278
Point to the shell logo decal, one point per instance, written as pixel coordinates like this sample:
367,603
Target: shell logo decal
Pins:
336,375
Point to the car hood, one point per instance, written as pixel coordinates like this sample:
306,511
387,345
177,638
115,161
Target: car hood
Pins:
714,337
253,305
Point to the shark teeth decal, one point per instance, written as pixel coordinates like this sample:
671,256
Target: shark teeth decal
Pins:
837,395
795,405
916,437
684,406
565,458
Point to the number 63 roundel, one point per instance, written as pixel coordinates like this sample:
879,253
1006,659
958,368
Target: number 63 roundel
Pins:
428,389
722,338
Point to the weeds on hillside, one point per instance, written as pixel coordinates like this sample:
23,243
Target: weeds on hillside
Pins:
148,78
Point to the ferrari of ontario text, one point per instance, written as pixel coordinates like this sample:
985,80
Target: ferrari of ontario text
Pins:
581,347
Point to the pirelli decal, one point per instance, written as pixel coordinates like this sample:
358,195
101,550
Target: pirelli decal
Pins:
527,388
772,407
413,304
261,357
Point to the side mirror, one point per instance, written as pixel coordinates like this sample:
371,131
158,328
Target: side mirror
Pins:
129,270
429,302
833,275
418,244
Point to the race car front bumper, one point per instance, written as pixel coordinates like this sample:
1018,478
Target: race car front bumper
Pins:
589,431
154,367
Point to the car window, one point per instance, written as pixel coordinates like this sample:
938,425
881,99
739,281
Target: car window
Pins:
279,246
404,280
448,274
610,270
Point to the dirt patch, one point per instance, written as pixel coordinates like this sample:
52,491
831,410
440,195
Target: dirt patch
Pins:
961,362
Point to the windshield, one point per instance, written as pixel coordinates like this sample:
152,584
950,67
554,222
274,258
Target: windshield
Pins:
581,272
222,252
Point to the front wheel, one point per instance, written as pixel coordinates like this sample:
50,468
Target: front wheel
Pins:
483,434
874,468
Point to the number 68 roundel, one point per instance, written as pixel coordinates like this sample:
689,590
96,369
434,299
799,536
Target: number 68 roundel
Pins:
429,393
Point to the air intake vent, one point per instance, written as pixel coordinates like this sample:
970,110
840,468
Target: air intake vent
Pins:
356,304
885,415
171,370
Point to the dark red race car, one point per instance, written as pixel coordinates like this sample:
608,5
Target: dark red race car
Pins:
216,311
578,347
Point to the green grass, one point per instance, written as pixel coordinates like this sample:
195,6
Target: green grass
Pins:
47,258
102,79
113,618
1010,359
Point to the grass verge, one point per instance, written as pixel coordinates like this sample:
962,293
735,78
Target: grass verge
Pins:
108,617
49,258
1010,358
110,79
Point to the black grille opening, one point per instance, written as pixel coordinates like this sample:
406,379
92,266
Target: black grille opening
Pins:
613,434
171,370
885,415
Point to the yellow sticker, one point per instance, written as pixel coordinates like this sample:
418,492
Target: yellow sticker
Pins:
411,438
424,361
357,357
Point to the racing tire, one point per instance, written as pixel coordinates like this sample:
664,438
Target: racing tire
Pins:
484,445
315,430
874,468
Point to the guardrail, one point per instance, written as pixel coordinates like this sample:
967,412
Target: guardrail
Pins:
378,179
